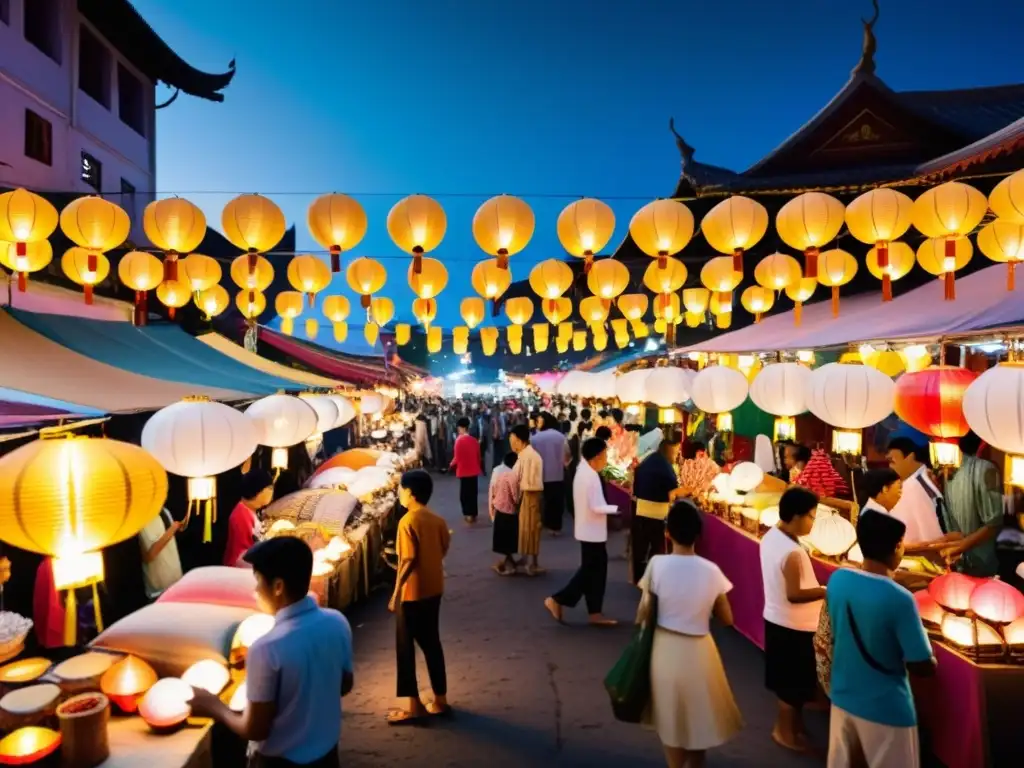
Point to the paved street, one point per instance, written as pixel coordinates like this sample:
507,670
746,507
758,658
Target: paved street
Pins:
528,691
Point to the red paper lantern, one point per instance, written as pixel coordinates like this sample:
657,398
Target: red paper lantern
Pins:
997,602
931,400
953,590
929,608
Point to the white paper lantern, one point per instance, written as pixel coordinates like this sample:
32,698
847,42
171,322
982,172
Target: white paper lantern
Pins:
371,403
746,476
632,387
718,389
781,389
282,421
992,407
850,396
666,387
346,410
326,411
600,386
832,534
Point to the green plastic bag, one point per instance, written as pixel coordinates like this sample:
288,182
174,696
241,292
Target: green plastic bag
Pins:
629,681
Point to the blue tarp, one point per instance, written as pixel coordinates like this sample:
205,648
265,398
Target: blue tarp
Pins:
161,351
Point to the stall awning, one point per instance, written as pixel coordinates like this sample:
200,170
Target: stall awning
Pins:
242,355
33,363
161,351
982,302
43,297
332,364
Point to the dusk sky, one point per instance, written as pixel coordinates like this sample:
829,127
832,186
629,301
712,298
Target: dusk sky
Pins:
546,99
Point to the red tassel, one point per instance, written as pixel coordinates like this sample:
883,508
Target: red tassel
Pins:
311,298
588,262
798,311
737,260
335,258
417,260
886,287
364,301
950,283
252,297
662,260
91,262
21,249
170,312
503,259
811,262
254,256
670,334
88,294
171,266
144,309
22,282
882,249
757,317
1011,278
835,301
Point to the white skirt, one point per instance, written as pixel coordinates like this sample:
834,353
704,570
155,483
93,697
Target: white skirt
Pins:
692,706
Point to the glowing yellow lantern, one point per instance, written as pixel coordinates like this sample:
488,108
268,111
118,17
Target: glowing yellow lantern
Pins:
808,222
562,344
888,362
430,280
417,225
1006,200
371,331
949,212
308,275
514,337
665,279
900,260
337,223
620,327
29,745
489,340
579,341
472,311
85,268
565,331
878,218
757,300
212,301
720,277
36,256
693,319
633,306
944,256
382,310
519,310
251,304
209,675
340,331
502,227
490,280
799,293
600,340
176,227
777,272
254,224
126,682
173,294
550,279
25,218
95,225
639,329
662,228
667,307
403,332
696,301
734,225
556,310
621,341
288,305
720,304
541,336
336,308
249,278
1003,242
835,269
460,339
593,310
365,277
424,310
607,279
142,272
201,272
312,328
916,357
584,228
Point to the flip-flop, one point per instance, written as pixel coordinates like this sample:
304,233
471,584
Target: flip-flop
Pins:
399,717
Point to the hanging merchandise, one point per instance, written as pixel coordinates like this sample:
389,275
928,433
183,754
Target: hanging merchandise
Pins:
879,217
382,310
519,310
733,226
662,228
991,406
948,213
177,227
337,223
809,222
584,227
502,227
254,224
417,225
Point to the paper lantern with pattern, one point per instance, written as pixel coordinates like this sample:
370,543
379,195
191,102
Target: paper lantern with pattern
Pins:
584,227
777,271
733,226
366,277
254,224
1003,242
879,217
662,228
338,223
849,398
87,269
308,275
25,218
502,227
417,225
213,301
34,257
799,293
809,222
472,311
95,225
177,227
490,280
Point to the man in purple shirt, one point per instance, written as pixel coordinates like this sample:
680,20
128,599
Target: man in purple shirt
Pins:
553,448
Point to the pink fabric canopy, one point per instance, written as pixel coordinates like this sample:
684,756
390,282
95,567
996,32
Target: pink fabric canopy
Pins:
324,361
982,301
54,300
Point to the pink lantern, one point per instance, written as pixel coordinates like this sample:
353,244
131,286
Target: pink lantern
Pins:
997,602
929,608
953,591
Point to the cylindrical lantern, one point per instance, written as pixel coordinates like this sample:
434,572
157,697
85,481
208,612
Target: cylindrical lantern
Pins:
254,224
579,341
337,223
900,260
777,271
541,336
142,272
562,344
34,257
371,332
514,337
365,277
417,224
662,228
403,332
489,340
1003,242
308,275
879,217
584,227
799,293
757,300
502,227
460,339
490,280
212,301
177,227
808,222
930,401
340,331
949,212
944,256
26,218
849,398
434,338
312,328
88,269
472,311
733,226
835,269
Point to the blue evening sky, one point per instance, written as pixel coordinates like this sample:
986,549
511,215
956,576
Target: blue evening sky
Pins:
463,99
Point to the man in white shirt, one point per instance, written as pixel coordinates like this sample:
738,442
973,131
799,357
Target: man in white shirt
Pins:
161,565
591,529
920,505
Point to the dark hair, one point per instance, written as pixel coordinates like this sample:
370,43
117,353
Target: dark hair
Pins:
547,421
691,448
908,447
254,482
875,481
603,433
603,413
802,453
878,535
585,414
683,523
287,558
510,459
522,431
669,442
462,423
593,448
796,502
419,483
970,443
633,428
566,427
618,415
572,414
582,427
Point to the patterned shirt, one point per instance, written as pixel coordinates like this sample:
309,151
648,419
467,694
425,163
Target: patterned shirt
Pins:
504,490
973,500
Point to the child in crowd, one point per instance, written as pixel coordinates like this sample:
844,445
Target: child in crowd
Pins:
504,506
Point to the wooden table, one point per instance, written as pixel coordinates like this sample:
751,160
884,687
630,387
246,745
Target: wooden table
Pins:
134,745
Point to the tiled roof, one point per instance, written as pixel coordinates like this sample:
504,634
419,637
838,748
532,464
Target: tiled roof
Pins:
971,112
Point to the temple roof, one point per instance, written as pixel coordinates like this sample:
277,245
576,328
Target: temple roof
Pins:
995,145
121,24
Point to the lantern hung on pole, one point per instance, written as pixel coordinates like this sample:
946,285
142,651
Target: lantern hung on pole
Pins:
944,257
1003,242
808,222
931,401
879,217
662,228
308,275
417,225
26,218
36,256
338,223
949,212
85,268
584,228
502,227
254,224
365,277
900,260
835,269
175,226
734,226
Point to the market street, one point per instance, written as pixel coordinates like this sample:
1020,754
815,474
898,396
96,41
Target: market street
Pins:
526,690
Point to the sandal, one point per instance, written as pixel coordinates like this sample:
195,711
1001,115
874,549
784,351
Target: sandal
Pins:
399,717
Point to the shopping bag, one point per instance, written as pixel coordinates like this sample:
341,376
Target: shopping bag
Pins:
629,681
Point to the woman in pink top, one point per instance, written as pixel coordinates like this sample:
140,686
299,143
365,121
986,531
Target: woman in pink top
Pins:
466,465
257,492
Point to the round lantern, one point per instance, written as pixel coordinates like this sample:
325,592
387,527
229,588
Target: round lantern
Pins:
26,218
631,387
249,278
173,294
254,224
472,311
370,404
662,228
781,390
879,217
633,306
208,675
519,310
86,268
777,271
430,280
502,227
308,275
35,256
365,277
514,337
460,339
997,602
142,272
832,534
336,308
929,608
733,226
887,361
835,269
337,223
948,213
666,387
213,301
96,225
719,276
251,304
1006,200
665,278
900,260
757,300
165,706
696,301
930,401
126,682
1003,242
199,439
382,310
489,340
346,410
719,390
417,225
326,410
944,257
541,336
584,227
288,305
607,279
799,293
991,406
953,590
849,398
281,421
490,280
424,310
808,222
176,227
746,476
200,272
666,307
593,311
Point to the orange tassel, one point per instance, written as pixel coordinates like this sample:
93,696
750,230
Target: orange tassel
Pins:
950,281
737,260
88,294
1011,278
22,281
798,311
835,301
886,287
757,317
811,262
882,250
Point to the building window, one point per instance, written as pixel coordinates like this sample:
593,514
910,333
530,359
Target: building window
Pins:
128,198
38,138
92,171
42,26
93,66
131,100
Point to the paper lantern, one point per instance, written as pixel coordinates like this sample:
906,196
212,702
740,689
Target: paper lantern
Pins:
35,257
808,222
26,218
281,421
365,277
667,278
490,280
417,225
584,227
370,404
382,310
1006,199
666,307
991,406
340,332
662,228
95,225
30,745
693,319
85,268
953,590
849,398
460,339
166,705
288,305
835,269
696,300
631,387
600,339
562,344
472,311
514,338
550,279
249,277
900,260
718,389
777,272
337,223
879,217
200,272
997,602
944,257
209,675
308,275
213,301
489,340
346,410
607,279
173,294
336,308
127,681
326,410
424,310
430,280
175,226
142,272
969,633
931,402
579,341
541,336
502,227
1014,634
929,608
832,534
799,293
519,310
948,213
733,226
251,304
888,362
1003,242
593,310
254,224
666,387
746,476
757,300
633,306
434,339
781,390
720,277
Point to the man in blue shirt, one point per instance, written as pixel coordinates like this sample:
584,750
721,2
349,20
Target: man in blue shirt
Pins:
878,639
297,673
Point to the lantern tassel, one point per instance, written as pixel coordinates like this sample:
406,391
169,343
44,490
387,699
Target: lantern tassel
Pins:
811,262
208,521
170,312
97,610
503,259
670,334
70,619
1011,278
311,298
171,266
798,311
144,309
757,317
253,255
588,262
417,260
737,260
950,284
364,301
886,287
882,250
335,258
662,260
835,301
21,249
88,294
91,261
22,282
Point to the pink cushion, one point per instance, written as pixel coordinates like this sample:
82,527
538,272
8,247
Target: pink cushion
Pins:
215,585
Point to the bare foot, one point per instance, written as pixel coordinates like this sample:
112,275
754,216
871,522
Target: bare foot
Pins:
599,620
553,608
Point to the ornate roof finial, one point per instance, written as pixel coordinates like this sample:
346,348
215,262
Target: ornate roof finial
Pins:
685,150
866,65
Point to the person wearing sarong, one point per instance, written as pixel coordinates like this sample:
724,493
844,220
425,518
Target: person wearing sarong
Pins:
529,471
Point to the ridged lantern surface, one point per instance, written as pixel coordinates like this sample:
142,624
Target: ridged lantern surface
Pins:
932,400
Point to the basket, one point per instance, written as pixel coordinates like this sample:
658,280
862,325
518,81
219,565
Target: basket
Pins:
13,641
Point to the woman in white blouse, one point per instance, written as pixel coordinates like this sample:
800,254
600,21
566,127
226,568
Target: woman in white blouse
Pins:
692,706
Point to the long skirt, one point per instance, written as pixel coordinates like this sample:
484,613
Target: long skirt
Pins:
505,539
468,496
692,706
530,510
554,505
